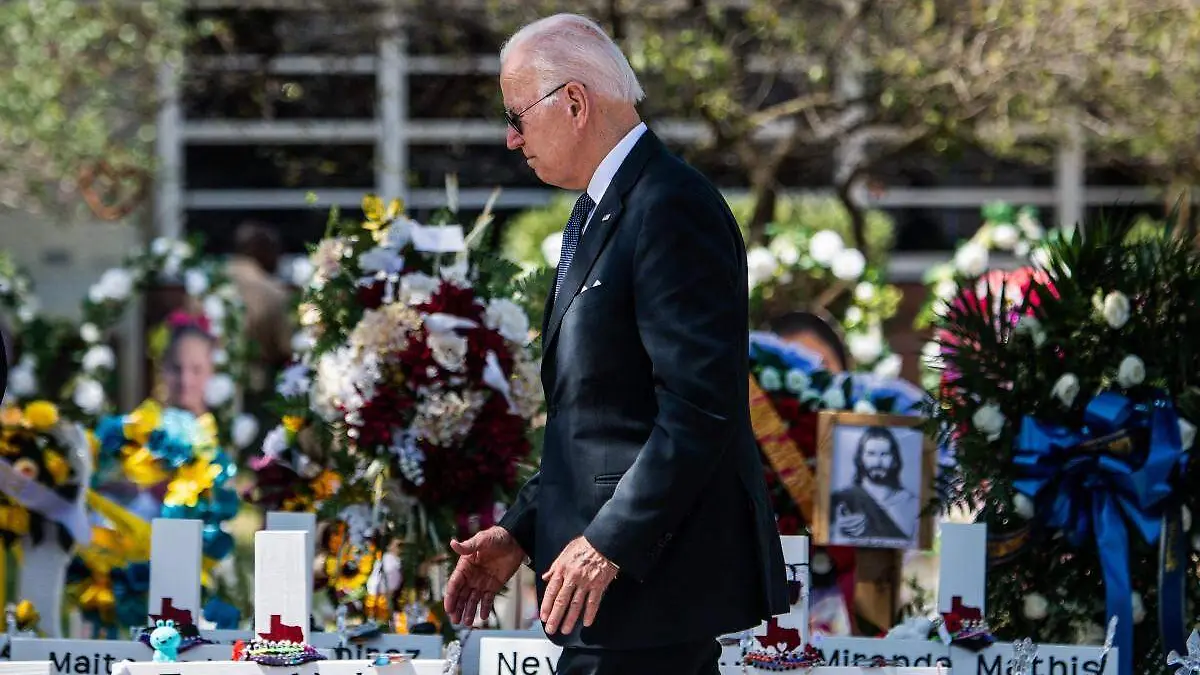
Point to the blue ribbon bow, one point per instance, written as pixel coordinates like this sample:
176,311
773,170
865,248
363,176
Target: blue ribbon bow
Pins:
1105,477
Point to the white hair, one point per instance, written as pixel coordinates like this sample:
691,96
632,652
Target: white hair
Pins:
567,47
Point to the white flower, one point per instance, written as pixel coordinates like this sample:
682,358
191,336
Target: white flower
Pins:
327,261
1066,389
89,333
945,289
989,421
508,319
1029,225
303,342
931,354
854,315
1139,607
445,419
552,248
849,264
1005,236
796,380
1023,506
115,284
760,266
865,407
214,309
88,395
22,380
456,274
398,233
1116,309
195,281
28,309
301,272
417,288
1131,372
275,444
825,246
97,357
294,381
449,350
1187,433
786,251
889,366
220,357
971,259
160,246
219,390
867,346
245,429
834,398
769,379
1040,258
1021,249
1036,607
864,291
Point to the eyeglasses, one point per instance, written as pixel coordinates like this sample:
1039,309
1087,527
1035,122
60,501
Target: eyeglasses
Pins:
514,119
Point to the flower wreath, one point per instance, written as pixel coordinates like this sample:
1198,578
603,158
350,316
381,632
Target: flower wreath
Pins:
38,447
219,311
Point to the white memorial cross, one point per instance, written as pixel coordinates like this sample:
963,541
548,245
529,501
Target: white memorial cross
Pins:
416,646
175,553
281,612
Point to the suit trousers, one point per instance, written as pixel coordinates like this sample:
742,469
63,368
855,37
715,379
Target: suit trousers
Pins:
692,658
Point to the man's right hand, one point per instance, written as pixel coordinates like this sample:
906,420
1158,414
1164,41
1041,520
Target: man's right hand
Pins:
487,561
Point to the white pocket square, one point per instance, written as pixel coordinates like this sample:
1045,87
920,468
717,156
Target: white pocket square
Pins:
585,287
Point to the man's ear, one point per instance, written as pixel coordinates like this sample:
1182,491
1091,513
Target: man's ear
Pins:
577,102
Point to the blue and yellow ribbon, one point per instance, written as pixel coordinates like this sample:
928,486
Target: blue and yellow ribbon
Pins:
1097,482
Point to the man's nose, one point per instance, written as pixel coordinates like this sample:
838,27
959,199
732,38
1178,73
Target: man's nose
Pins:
513,139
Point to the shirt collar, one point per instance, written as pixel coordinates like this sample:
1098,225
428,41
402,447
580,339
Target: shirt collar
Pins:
612,161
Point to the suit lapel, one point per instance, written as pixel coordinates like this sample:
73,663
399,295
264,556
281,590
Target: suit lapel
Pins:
599,229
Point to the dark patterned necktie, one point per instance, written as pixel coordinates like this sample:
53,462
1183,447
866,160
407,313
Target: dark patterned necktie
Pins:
571,238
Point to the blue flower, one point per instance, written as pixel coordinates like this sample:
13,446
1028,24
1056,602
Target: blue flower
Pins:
225,615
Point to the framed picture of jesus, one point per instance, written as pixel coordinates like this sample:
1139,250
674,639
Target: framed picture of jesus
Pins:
875,476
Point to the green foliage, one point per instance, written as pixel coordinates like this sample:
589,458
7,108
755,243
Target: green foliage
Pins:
525,232
78,83
986,360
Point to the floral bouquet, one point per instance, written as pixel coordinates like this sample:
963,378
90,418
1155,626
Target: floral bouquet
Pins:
1071,398
418,385
166,463
45,465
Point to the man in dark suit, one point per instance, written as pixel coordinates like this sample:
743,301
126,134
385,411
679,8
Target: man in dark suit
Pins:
648,523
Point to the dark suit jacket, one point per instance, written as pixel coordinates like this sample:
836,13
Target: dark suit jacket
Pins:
649,452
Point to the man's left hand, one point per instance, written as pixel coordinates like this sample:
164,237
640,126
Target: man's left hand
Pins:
575,584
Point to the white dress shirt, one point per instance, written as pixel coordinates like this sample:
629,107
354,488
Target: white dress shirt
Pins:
609,166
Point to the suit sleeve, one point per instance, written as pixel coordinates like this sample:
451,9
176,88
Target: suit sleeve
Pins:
521,518
689,300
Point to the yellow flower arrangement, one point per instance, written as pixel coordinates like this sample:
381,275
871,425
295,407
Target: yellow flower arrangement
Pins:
41,415
140,423
377,215
190,482
141,466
